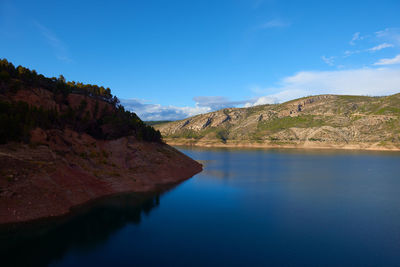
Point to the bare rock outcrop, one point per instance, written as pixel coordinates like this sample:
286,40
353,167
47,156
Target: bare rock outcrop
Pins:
318,121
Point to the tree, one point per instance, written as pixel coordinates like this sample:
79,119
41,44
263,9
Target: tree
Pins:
61,78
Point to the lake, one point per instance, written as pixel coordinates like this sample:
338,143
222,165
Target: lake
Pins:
248,207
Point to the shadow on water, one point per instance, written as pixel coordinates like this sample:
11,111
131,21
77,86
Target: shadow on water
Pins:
44,242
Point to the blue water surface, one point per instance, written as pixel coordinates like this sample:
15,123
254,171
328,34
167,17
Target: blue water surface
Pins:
247,208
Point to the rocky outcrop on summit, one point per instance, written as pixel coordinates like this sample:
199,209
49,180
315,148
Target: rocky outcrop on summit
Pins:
322,121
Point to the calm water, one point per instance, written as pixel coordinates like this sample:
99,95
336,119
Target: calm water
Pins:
248,207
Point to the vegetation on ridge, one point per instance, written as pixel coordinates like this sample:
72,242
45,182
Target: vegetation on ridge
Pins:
20,77
17,119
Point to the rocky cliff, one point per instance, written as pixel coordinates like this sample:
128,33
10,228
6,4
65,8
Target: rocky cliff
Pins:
323,121
63,144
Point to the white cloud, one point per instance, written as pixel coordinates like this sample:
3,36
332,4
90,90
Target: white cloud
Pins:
216,102
275,23
155,112
367,81
380,47
391,35
203,104
348,53
328,60
356,37
262,101
389,61
58,46
387,38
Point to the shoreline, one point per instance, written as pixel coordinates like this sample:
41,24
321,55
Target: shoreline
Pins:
73,210
79,209
306,146
42,185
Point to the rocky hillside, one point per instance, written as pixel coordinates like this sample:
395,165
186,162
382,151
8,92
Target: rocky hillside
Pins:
63,144
321,121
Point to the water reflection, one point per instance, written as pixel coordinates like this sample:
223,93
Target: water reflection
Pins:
46,242
249,208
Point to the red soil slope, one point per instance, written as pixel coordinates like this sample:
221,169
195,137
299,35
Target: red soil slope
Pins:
61,169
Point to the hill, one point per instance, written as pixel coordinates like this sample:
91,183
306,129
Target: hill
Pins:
322,121
63,144
152,123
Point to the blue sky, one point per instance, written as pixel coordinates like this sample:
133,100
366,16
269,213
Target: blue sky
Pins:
172,59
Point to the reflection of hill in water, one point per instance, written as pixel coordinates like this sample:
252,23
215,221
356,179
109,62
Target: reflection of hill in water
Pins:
91,226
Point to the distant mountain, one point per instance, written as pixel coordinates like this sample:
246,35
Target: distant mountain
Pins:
152,123
322,121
